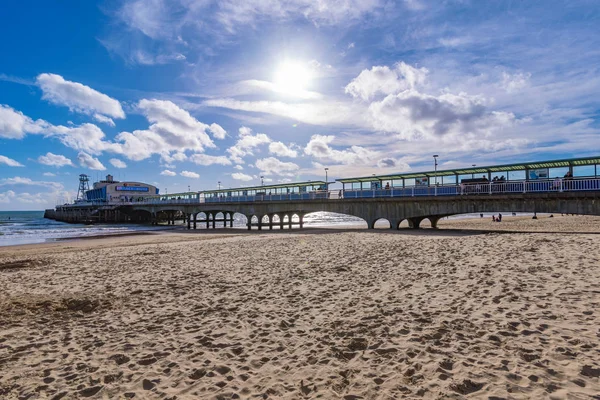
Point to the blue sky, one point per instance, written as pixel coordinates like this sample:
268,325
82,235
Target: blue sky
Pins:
193,92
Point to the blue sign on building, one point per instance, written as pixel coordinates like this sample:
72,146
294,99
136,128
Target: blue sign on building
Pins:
132,189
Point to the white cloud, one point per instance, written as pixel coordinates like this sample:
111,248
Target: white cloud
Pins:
48,174
383,80
55,160
10,162
254,85
106,120
245,144
239,167
272,165
115,162
319,147
280,149
204,159
15,125
172,129
171,158
17,180
413,114
87,161
241,176
166,172
189,174
514,83
79,98
218,131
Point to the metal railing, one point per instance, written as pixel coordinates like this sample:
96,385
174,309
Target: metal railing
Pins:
471,189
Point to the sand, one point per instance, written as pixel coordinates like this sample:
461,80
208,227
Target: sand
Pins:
330,314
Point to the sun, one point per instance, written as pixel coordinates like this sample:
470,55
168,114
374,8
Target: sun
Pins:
292,77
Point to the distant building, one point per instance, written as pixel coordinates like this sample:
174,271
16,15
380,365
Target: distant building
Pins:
110,191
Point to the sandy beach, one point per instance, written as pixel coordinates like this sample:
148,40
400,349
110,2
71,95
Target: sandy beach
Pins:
329,314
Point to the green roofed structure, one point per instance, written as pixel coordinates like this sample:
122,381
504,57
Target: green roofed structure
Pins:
281,188
529,170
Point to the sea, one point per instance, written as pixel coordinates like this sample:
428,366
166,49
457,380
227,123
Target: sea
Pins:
29,227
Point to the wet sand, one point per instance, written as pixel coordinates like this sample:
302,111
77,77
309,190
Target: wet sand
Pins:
348,314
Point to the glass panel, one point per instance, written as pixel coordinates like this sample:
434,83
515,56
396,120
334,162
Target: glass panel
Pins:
516,175
587,170
558,172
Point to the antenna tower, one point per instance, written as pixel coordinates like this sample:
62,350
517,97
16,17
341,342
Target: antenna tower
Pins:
84,185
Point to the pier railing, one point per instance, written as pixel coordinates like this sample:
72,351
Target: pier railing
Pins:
472,189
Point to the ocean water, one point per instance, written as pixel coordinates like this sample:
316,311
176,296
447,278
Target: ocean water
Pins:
26,227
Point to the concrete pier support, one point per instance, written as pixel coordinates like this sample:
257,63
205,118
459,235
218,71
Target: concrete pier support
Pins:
301,217
270,221
281,216
414,223
290,220
434,222
195,219
189,221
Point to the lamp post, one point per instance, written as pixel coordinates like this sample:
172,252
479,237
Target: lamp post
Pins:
219,183
188,188
473,174
262,180
326,182
435,156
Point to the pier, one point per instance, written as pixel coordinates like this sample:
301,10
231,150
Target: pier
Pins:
413,197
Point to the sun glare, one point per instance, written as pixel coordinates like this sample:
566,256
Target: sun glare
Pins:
292,78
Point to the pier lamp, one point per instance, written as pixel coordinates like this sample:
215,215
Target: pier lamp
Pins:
435,156
219,183
326,182
473,174
262,180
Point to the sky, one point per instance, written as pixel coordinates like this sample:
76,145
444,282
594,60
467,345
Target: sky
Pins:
197,93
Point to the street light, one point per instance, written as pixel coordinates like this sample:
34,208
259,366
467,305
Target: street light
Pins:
435,156
473,174
326,183
262,180
219,183
188,188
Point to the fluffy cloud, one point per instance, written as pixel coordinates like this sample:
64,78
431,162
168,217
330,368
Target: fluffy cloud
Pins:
414,114
241,176
79,98
204,159
239,167
280,149
383,80
10,162
55,160
189,174
15,125
273,166
166,172
103,119
87,161
172,129
48,174
319,147
245,144
217,131
115,162
17,180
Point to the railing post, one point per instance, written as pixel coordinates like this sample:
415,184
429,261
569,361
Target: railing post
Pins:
525,187
490,188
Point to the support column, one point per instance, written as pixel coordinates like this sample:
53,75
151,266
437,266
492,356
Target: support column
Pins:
214,221
414,223
434,222
195,219
207,220
281,221
260,217
372,224
270,222
189,221
290,220
301,216
249,219
231,220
